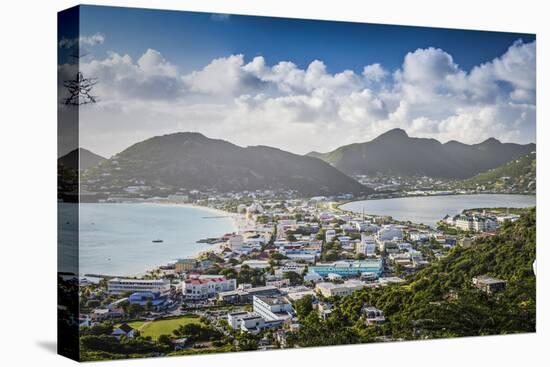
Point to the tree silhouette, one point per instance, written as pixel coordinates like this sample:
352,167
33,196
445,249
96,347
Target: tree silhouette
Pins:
80,90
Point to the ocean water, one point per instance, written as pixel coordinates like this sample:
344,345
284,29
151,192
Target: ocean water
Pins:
430,209
116,239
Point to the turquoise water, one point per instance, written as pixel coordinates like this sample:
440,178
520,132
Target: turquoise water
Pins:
430,209
116,239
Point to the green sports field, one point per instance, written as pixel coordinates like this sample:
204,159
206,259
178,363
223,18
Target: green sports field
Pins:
158,327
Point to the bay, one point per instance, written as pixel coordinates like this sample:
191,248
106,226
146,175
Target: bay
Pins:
117,239
430,209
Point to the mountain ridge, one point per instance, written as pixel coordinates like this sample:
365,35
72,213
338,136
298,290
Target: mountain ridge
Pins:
81,158
395,152
193,161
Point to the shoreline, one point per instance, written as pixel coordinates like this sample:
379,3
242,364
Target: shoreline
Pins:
350,211
233,216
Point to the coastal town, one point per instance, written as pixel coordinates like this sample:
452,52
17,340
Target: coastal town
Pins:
246,289
290,192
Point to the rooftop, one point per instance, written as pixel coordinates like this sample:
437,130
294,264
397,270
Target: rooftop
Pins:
272,300
488,280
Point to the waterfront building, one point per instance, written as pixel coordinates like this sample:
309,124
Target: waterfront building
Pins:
121,285
184,265
466,223
235,242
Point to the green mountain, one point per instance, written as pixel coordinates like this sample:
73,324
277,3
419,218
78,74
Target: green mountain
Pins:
519,175
440,300
81,158
193,161
395,153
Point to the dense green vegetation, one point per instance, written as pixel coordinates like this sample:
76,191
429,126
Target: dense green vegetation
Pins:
519,174
151,338
440,300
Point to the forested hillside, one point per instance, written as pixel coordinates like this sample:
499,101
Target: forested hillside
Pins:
440,300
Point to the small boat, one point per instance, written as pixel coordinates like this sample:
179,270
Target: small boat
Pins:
158,241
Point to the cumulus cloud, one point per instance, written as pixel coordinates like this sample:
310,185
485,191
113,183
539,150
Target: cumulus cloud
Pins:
121,80
91,40
374,72
302,109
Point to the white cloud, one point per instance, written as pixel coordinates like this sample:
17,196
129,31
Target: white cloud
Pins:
304,109
374,72
91,40
224,76
121,80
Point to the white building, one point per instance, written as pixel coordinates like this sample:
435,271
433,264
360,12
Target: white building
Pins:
204,286
178,198
334,277
254,208
279,283
120,285
291,268
246,321
389,232
367,246
256,264
272,308
373,315
297,295
471,223
268,312
339,290
313,277
235,242
330,234
308,258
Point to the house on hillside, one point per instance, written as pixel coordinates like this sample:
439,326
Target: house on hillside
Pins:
124,330
489,285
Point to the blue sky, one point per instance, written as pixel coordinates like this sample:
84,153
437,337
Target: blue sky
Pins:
192,39
274,81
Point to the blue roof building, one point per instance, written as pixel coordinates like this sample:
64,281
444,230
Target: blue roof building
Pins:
348,268
142,298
